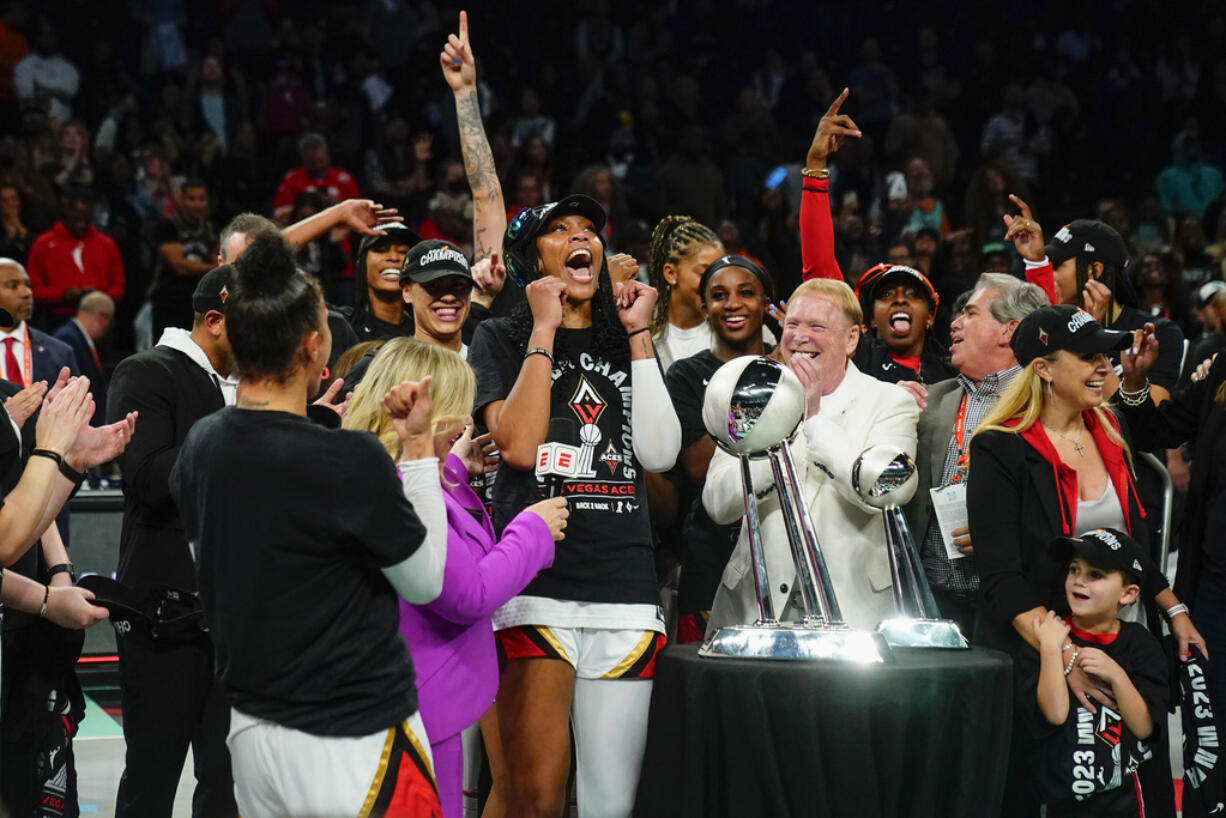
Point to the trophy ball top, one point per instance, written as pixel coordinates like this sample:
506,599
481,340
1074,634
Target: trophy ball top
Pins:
751,404
880,473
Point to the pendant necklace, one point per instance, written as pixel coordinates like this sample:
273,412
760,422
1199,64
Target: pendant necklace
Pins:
1076,441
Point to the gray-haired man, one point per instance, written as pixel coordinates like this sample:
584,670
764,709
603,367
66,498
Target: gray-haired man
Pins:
979,350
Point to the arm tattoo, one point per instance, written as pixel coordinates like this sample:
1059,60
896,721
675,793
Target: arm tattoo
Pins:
478,164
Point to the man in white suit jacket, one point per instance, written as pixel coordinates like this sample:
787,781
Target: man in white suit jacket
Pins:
846,412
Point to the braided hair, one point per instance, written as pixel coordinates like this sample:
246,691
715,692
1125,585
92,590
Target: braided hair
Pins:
674,238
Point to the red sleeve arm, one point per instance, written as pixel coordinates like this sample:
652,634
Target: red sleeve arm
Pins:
817,232
1043,276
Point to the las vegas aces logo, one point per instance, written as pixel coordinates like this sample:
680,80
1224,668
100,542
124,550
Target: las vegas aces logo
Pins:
588,406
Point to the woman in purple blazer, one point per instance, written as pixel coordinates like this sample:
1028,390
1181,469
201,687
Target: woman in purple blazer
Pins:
451,639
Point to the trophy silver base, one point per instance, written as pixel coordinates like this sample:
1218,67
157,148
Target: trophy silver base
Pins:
905,632
788,642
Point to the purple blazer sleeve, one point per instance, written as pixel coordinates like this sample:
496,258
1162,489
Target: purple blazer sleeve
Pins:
479,577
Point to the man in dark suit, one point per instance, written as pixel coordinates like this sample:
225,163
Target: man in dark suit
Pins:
170,699
81,332
981,353
26,354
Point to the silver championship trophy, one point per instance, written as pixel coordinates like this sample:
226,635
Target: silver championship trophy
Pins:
878,476
753,405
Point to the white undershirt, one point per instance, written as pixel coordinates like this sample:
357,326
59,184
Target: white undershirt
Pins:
1105,512
675,343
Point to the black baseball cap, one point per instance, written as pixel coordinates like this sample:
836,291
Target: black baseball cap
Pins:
1106,549
433,259
1097,241
535,220
875,277
213,290
519,242
393,233
1063,326
152,615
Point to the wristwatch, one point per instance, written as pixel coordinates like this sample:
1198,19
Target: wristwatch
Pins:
63,568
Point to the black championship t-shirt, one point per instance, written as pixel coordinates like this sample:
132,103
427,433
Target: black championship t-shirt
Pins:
607,553
1092,752
291,523
705,544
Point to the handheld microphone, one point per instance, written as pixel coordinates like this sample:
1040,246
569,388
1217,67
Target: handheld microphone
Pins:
556,461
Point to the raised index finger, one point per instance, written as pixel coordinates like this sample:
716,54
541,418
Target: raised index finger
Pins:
1022,206
464,27
838,102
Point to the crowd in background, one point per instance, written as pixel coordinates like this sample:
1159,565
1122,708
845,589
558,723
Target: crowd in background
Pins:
651,108
136,131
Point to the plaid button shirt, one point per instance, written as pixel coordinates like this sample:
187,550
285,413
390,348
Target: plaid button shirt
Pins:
959,576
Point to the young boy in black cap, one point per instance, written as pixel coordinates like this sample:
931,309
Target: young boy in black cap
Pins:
1086,762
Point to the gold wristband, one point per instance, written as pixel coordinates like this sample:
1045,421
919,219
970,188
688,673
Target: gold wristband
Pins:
816,173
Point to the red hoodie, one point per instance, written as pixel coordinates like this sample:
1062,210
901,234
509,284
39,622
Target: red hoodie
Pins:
1066,477
60,261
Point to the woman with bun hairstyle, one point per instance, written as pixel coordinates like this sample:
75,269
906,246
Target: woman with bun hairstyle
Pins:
451,638
574,365
305,537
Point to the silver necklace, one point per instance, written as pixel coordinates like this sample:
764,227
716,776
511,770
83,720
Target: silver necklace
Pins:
1076,441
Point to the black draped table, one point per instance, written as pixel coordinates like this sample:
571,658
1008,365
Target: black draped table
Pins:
926,735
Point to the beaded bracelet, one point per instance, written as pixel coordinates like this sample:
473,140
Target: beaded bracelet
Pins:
1071,661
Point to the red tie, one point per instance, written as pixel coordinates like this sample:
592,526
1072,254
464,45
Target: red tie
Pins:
97,360
12,369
